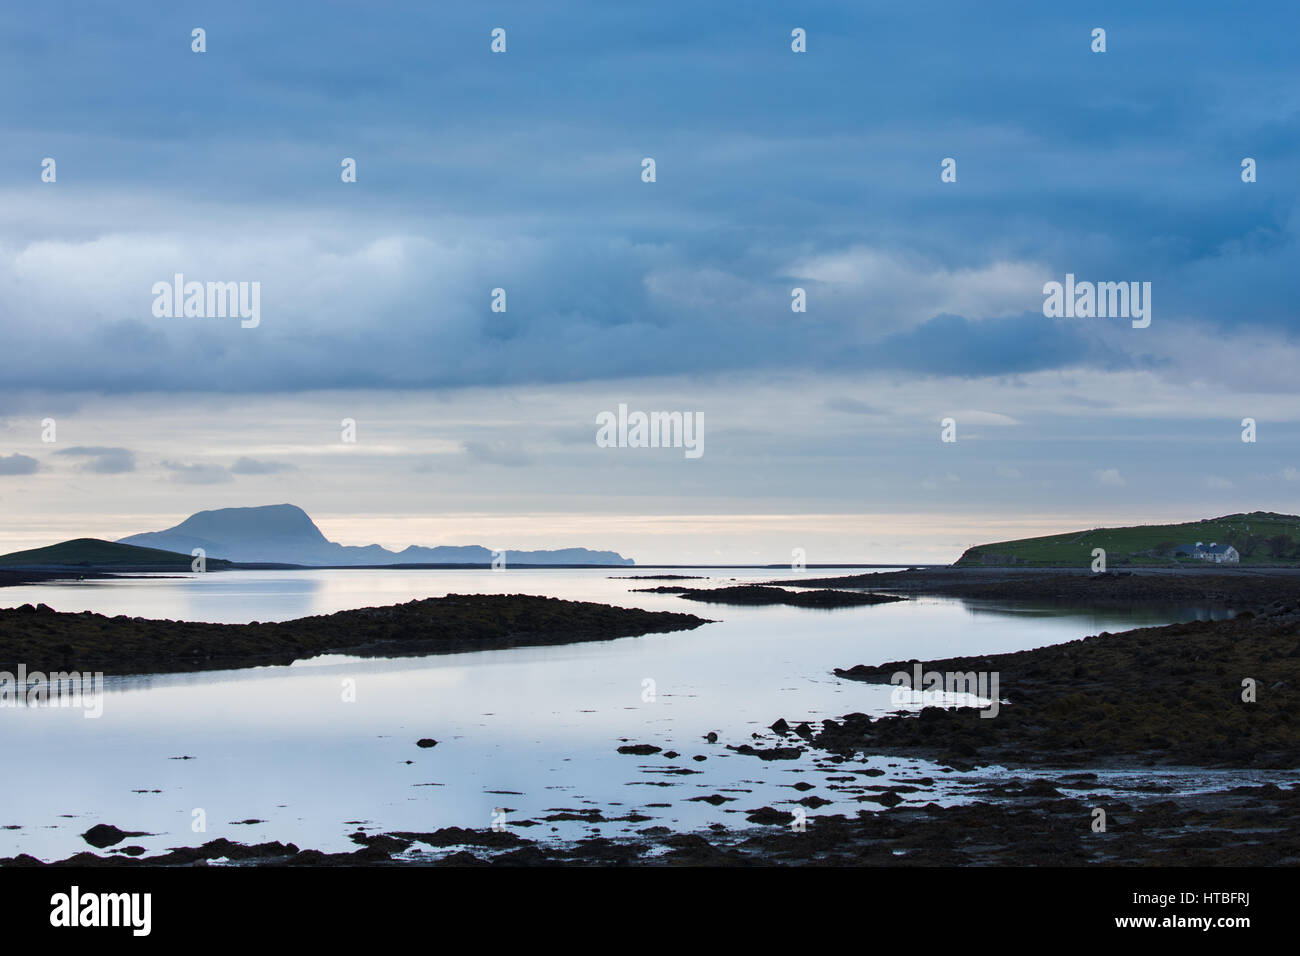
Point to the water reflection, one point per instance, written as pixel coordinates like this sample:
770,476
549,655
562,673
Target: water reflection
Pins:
285,745
1123,615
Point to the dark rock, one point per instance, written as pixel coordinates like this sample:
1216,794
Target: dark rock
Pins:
769,816
383,841
773,753
458,836
103,835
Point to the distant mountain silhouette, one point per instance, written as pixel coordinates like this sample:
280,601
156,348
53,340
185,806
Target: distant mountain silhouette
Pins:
284,534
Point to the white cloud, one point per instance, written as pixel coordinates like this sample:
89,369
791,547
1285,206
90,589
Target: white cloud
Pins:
1110,477
895,290
972,416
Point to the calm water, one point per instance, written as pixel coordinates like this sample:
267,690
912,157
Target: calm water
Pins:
529,730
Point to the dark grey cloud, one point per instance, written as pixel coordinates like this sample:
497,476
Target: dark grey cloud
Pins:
956,345
17,464
102,460
197,473
1116,166
252,466
497,453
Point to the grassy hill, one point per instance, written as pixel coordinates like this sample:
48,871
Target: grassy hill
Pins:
94,553
1261,537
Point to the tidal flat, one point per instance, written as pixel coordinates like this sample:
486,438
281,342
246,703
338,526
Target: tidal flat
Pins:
1145,724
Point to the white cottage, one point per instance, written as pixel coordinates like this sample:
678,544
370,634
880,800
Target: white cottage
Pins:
1213,552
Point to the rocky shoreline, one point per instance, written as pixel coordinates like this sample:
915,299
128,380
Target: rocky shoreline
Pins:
1150,696
1212,585
757,595
42,639
1014,823
1154,699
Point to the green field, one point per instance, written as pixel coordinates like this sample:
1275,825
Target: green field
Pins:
1261,538
94,553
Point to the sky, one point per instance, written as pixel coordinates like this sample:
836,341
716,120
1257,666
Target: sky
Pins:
774,170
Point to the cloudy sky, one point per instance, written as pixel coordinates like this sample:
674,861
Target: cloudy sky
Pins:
774,170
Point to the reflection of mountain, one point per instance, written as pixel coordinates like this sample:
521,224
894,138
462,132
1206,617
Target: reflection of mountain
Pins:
284,534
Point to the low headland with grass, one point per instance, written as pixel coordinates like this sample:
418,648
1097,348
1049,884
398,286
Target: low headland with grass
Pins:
1260,538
